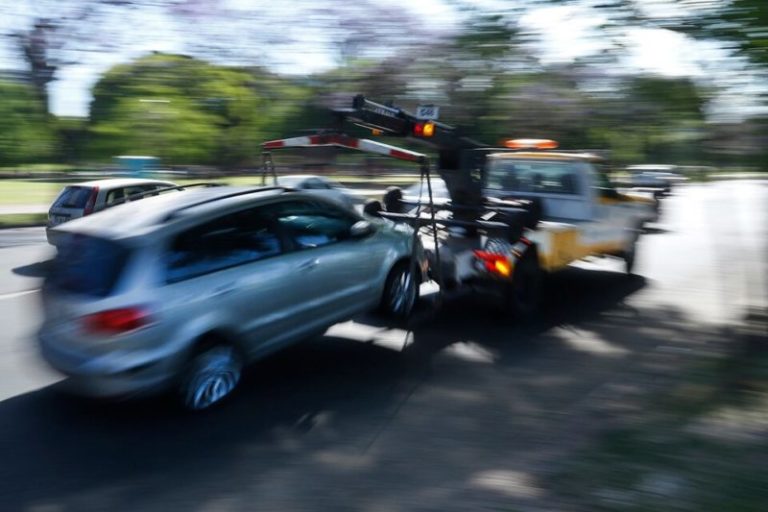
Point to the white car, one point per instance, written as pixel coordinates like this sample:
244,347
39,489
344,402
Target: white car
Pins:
660,177
81,199
322,187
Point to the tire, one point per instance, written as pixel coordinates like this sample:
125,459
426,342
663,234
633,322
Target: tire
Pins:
400,292
523,294
629,255
212,374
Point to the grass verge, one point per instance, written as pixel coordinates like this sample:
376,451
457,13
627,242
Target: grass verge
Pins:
22,219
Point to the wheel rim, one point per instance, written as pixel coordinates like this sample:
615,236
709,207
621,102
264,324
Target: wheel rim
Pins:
402,293
216,373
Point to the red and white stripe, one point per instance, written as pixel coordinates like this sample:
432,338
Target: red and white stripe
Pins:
344,141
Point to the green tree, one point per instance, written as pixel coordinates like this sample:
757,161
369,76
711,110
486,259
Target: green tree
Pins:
185,110
24,133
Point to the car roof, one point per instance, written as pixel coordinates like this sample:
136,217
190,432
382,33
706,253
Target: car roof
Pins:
651,167
139,218
552,155
300,176
121,182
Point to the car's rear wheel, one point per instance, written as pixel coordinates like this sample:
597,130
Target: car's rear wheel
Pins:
400,291
211,376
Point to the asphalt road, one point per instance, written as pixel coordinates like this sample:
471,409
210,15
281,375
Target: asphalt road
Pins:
466,411
15,237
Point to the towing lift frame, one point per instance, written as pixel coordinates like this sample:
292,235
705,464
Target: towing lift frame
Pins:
496,260
369,146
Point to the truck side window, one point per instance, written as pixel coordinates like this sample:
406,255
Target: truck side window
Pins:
603,183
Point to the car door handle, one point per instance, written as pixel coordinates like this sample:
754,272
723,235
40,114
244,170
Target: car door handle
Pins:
309,265
225,289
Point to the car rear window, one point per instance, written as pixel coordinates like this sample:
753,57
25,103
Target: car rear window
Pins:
73,197
87,265
533,175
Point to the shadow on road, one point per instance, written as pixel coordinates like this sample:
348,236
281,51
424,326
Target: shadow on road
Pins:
327,394
655,230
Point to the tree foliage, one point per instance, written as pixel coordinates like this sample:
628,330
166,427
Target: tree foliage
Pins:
25,135
185,110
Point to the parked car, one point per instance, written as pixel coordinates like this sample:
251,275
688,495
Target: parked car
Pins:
182,290
83,199
322,187
660,178
439,191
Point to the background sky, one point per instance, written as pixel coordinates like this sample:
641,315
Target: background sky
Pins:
566,33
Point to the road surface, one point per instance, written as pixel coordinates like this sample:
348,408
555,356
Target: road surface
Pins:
464,412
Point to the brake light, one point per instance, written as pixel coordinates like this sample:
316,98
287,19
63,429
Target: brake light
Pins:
116,321
495,263
91,203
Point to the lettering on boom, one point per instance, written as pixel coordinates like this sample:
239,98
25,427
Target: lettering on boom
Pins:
382,111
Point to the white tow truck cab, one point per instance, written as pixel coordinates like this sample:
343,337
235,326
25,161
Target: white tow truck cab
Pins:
581,213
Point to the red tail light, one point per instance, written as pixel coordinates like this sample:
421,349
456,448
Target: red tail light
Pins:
91,203
116,321
495,263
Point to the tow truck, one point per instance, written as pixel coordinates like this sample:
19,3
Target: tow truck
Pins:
514,212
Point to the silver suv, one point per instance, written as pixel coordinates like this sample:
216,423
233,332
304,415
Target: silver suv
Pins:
183,289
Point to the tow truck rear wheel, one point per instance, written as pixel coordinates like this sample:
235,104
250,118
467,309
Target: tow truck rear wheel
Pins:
523,293
629,253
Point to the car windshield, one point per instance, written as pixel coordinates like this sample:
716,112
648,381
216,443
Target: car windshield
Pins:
291,181
73,197
87,265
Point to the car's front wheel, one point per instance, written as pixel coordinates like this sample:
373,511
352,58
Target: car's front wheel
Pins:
400,291
211,375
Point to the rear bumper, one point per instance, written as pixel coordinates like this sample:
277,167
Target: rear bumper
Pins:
111,375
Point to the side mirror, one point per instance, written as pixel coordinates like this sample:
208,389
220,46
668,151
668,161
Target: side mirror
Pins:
361,229
610,193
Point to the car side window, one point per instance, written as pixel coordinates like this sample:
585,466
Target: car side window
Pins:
309,224
228,241
115,195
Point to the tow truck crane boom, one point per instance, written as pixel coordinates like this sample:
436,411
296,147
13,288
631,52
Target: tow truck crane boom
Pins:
459,159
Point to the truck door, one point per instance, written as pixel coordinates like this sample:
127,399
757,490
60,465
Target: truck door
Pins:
607,230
